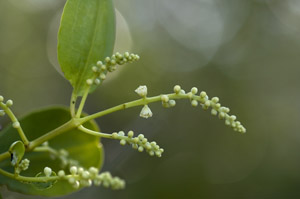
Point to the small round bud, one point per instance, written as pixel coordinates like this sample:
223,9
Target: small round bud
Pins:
16,125
76,185
215,99
89,82
141,136
114,135
73,170
97,81
1,98
135,140
164,98
141,149
80,170
123,142
214,112
86,174
126,54
151,153
9,103
194,90
2,113
102,76
233,117
177,89
207,103
99,63
121,133
182,92
93,170
61,173
172,103
130,134
227,122
203,94
113,62
47,171
107,59
194,103
95,69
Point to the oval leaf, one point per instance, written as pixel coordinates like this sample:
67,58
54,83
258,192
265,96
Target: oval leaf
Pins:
83,148
16,150
86,35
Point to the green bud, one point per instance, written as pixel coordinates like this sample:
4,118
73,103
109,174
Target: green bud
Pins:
177,89
194,90
9,103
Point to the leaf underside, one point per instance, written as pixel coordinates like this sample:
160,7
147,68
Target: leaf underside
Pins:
86,35
84,148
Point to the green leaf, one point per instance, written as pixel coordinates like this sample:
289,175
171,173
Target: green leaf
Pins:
86,35
16,150
84,148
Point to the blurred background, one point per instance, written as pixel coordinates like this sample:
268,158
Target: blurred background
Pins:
246,52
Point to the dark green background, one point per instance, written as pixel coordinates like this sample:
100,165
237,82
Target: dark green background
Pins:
244,51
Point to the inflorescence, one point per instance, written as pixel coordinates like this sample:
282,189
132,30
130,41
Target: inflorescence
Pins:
168,100
139,143
110,65
79,177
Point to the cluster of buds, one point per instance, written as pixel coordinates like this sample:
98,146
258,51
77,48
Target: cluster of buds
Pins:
109,65
79,177
8,103
24,164
140,143
216,108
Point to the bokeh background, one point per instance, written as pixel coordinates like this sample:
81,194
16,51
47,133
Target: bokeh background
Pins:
246,52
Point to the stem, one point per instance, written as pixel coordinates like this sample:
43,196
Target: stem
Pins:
84,97
139,102
28,179
94,133
14,119
4,156
73,104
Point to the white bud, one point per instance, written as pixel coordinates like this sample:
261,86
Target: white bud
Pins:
146,112
61,173
164,98
9,103
194,103
141,91
73,170
16,125
89,82
194,90
76,184
177,89
86,174
47,171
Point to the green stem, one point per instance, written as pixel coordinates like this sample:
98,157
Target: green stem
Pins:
28,179
4,156
95,133
14,119
73,104
139,102
82,102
